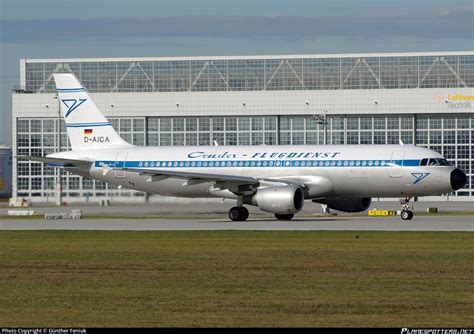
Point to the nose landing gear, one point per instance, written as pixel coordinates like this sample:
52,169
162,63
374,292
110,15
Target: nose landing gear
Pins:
406,213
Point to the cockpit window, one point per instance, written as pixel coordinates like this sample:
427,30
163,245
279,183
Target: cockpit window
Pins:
424,162
436,162
444,162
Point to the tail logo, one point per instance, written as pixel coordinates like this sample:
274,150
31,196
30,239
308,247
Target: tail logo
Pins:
419,177
72,104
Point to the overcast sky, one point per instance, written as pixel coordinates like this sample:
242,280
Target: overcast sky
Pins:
118,28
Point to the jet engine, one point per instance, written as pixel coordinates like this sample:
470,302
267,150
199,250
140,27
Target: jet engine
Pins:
347,204
279,199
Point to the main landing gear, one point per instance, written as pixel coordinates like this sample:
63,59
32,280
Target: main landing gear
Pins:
238,213
406,213
284,216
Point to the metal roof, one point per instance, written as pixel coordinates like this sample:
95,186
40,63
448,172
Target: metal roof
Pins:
257,57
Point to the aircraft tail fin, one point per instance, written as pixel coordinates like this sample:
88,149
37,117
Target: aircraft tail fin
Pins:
87,127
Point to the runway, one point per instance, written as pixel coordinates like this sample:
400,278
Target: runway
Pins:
332,223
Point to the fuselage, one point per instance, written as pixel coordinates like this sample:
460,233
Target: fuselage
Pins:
325,170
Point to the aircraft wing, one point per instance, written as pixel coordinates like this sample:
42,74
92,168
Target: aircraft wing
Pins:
192,175
57,162
235,183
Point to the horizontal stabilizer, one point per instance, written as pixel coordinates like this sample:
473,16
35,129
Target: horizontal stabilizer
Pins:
57,162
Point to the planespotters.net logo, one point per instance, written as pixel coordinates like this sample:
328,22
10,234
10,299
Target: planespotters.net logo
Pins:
457,101
437,331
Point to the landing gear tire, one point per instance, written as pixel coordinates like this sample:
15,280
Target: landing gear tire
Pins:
406,214
283,216
238,213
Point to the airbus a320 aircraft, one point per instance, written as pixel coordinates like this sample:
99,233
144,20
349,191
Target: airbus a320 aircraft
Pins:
277,179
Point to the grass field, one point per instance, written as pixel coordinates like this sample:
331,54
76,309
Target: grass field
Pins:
236,278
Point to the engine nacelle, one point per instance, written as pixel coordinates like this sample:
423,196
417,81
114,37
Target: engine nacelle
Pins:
348,204
279,199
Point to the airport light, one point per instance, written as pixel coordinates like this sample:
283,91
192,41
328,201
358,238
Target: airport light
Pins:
323,120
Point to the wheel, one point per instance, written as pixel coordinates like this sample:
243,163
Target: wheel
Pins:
406,215
238,213
234,213
283,216
244,213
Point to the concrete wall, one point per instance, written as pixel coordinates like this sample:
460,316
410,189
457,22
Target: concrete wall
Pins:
377,101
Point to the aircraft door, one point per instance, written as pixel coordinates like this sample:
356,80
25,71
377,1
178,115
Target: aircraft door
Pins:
120,163
396,163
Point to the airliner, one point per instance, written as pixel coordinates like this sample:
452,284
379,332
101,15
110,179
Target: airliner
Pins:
276,179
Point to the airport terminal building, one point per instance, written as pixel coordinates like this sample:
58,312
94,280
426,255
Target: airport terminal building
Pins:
424,98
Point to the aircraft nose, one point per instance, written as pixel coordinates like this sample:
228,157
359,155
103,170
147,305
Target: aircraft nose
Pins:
458,179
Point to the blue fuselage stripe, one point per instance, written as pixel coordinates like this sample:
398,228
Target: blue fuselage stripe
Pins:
257,163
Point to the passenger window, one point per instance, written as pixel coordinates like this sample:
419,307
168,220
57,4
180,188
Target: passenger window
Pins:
424,162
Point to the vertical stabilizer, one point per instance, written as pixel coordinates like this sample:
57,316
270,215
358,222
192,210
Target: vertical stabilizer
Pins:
87,127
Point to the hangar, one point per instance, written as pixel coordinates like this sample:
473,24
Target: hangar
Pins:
421,98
